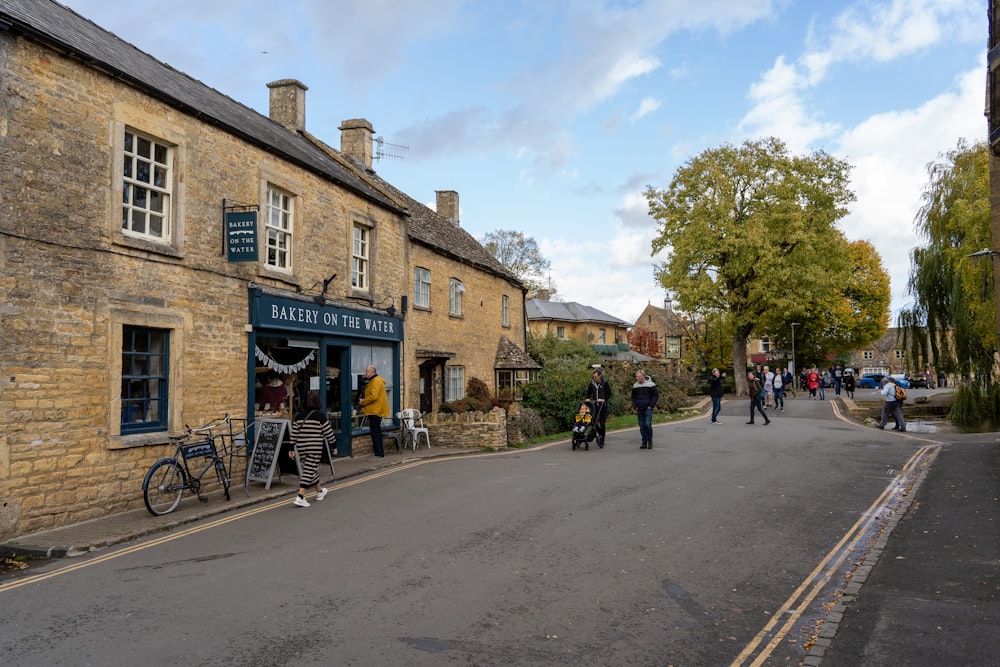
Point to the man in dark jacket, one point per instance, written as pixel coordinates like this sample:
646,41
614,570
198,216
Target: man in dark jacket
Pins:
598,393
715,391
644,398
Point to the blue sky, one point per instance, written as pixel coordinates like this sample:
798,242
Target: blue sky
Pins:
551,116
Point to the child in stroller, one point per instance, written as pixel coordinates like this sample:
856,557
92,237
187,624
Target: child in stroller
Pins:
583,426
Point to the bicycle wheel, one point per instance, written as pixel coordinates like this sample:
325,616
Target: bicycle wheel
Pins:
220,471
163,487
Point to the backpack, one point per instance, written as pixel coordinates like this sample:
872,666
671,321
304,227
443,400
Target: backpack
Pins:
900,394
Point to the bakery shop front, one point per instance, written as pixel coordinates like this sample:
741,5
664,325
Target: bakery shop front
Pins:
301,345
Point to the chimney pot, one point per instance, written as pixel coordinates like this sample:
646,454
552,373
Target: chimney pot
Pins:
288,103
356,140
447,205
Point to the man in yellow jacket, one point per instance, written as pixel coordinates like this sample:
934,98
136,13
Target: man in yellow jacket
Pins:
376,406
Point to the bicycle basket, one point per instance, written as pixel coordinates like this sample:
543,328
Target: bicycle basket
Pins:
198,449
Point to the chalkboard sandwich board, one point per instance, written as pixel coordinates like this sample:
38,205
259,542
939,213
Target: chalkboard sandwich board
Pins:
266,446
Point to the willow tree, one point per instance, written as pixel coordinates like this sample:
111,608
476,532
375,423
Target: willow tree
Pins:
750,232
952,320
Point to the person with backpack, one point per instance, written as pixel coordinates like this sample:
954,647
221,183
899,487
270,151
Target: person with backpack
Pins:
894,397
756,390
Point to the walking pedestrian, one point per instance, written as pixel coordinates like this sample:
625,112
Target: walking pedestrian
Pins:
813,380
376,407
644,398
768,388
779,390
788,382
849,383
309,431
838,378
715,391
891,406
598,393
756,396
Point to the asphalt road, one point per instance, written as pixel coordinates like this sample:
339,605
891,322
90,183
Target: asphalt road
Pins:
722,545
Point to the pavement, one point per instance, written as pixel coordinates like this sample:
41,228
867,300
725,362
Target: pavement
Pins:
82,538
928,592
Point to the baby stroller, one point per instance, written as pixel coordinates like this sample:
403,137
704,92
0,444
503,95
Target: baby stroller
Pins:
584,427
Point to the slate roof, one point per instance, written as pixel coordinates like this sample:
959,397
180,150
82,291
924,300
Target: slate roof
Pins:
510,356
442,235
58,26
538,309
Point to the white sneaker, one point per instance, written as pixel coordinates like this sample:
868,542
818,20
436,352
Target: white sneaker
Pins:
300,502
322,493
717,422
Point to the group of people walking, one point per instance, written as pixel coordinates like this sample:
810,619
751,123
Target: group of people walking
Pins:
645,396
767,390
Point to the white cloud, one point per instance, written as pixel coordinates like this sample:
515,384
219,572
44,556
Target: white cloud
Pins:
890,152
646,107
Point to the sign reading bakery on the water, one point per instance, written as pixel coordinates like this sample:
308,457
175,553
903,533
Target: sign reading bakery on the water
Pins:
241,236
280,313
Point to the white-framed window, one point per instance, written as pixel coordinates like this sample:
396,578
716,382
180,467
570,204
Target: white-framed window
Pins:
361,257
421,287
560,332
147,187
900,354
505,310
602,336
867,355
455,291
278,221
510,383
454,383
765,344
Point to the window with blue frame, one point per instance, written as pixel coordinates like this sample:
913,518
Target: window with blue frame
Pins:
145,357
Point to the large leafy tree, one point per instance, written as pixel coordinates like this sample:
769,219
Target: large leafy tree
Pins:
952,320
521,256
750,233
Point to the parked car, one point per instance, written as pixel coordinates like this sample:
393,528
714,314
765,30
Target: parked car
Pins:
919,381
900,380
870,381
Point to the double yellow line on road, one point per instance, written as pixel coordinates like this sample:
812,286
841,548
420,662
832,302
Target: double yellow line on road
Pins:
778,627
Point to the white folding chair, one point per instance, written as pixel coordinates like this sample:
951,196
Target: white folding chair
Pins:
413,424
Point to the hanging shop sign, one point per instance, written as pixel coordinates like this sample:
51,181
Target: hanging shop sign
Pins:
241,236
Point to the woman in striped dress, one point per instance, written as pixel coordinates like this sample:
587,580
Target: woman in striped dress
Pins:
308,432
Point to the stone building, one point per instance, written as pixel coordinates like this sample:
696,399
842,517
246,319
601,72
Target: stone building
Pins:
169,256
575,321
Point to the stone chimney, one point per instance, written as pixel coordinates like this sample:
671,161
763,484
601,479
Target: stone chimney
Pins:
288,103
356,140
447,205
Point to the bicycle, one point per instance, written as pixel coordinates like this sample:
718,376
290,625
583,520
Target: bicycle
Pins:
165,482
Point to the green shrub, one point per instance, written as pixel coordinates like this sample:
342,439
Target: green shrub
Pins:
558,391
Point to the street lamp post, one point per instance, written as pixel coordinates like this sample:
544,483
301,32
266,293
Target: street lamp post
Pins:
795,372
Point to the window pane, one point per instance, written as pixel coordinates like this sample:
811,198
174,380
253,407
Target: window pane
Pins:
146,187
144,379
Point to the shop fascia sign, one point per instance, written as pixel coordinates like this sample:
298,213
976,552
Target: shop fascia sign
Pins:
291,314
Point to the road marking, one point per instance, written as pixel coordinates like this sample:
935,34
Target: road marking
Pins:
808,590
199,527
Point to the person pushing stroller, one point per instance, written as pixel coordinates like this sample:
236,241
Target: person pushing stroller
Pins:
598,393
